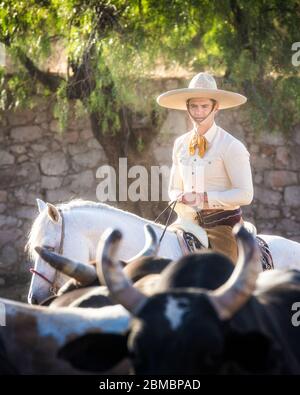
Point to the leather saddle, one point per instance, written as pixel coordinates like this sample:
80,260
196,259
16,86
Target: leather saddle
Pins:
192,238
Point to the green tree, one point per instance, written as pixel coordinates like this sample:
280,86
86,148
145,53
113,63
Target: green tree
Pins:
113,45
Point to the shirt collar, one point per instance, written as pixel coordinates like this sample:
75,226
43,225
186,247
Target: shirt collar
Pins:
210,134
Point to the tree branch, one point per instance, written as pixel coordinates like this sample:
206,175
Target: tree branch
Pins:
50,80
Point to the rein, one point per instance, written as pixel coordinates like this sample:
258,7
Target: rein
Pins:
172,205
62,236
53,290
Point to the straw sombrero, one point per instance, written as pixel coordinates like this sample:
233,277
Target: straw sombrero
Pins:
203,85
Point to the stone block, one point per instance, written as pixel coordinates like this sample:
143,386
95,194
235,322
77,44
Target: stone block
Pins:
60,195
82,182
17,149
6,158
26,212
93,143
8,221
3,196
89,159
279,178
267,196
282,157
71,137
39,147
86,134
54,163
78,148
292,196
25,134
20,117
49,182
22,158
296,134
9,255
9,236
271,138
267,212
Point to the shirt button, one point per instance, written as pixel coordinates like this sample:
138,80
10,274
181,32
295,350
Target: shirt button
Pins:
193,172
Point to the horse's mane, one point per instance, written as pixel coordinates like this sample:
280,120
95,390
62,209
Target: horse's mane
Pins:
42,219
80,203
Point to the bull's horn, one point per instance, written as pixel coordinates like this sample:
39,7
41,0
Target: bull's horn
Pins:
85,274
151,244
232,295
111,273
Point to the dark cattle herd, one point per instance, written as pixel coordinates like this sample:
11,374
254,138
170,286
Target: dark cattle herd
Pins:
198,315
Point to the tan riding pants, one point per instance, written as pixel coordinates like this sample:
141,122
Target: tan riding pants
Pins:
222,240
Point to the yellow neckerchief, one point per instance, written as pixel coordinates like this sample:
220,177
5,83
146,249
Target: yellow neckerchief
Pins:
199,142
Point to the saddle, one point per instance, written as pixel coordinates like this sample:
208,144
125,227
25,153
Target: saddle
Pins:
192,238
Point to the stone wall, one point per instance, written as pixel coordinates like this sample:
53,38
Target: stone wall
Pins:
276,175
36,161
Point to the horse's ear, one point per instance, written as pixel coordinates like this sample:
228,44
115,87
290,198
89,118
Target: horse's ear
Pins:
53,213
41,205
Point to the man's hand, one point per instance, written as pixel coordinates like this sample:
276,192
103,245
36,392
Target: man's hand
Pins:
194,199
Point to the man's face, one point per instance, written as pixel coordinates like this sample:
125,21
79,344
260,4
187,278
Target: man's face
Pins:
200,108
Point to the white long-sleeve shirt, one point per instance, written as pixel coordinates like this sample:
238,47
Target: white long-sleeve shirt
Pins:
224,172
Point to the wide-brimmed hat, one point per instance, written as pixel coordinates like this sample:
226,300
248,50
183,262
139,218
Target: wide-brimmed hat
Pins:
202,85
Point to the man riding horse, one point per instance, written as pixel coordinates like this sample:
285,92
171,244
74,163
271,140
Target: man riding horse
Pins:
211,171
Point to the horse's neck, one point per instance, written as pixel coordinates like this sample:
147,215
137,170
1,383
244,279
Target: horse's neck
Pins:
132,228
93,221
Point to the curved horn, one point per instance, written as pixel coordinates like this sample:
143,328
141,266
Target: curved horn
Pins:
151,244
85,274
232,295
110,272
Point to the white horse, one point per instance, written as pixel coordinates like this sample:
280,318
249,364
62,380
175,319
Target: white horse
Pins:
74,229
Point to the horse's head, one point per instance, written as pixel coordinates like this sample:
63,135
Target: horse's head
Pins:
47,231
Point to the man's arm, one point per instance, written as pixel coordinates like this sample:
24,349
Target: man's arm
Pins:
237,164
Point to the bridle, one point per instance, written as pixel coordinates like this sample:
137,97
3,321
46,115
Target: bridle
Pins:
53,290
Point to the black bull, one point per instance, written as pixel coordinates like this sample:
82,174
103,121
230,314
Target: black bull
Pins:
142,272
186,329
183,328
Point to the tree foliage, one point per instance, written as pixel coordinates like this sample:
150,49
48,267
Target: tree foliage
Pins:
112,46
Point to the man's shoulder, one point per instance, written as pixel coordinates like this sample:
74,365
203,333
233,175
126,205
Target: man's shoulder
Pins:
229,139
